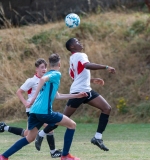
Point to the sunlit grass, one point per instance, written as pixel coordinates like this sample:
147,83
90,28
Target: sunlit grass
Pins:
125,141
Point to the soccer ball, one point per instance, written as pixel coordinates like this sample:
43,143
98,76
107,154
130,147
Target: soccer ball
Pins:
72,20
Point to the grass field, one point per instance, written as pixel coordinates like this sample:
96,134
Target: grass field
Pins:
125,141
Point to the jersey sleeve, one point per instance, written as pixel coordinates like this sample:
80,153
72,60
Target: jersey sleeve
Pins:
27,85
83,58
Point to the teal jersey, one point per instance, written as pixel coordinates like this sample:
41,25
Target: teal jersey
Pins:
43,102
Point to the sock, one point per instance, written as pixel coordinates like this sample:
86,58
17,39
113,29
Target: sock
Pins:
49,128
98,135
6,128
16,147
51,141
15,130
68,137
52,151
42,133
103,120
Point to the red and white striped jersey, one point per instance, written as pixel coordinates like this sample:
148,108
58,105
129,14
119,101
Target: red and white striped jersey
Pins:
30,86
79,74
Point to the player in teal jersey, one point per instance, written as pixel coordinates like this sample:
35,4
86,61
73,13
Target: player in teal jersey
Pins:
41,111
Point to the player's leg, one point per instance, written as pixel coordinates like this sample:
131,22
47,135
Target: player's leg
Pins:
51,142
15,130
34,125
20,143
100,103
70,108
68,137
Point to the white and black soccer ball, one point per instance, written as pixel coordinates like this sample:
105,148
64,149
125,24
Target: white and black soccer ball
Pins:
72,20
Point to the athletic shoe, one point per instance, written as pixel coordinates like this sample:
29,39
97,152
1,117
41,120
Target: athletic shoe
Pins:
69,157
3,158
56,154
2,125
38,142
99,143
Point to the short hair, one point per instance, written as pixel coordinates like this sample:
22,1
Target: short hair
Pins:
40,61
54,59
69,43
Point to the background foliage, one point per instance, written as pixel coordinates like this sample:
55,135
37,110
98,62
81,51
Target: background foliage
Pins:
116,38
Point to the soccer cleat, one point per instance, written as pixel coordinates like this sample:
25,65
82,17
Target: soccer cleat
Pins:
2,125
56,154
69,157
38,142
99,143
3,158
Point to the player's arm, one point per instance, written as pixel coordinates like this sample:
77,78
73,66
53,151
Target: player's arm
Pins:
20,93
40,85
70,96
94,66
97,81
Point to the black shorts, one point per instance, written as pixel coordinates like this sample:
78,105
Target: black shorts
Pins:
28,113
76,102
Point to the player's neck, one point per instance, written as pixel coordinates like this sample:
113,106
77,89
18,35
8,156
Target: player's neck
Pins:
55,68
75,51
38,75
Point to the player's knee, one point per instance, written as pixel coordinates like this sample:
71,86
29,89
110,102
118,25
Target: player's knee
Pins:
24,133
73,125
107,110
30,139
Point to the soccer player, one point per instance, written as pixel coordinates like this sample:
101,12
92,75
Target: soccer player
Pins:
80,68
30,86
41,111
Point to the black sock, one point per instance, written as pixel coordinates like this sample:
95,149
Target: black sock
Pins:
17,131
51,141
103,120
49,128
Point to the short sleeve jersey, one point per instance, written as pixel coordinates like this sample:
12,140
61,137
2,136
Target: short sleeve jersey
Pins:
80,75
30,86
43,102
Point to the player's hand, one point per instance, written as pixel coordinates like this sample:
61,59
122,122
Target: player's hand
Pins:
27,105
111,69
97,81
82,94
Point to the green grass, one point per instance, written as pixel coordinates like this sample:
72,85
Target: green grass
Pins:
125,141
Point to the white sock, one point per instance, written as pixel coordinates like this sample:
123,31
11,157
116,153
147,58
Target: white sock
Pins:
52,151
42,133
98,135
6,128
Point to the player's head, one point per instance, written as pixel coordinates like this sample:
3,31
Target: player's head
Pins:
41,67
54,60
74,45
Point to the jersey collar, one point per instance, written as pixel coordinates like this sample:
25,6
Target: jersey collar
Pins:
37,75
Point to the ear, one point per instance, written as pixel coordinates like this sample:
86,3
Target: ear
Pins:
59,64
71,47
36,69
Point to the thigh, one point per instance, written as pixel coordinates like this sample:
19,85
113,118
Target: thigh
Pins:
100,103
67,122
68,111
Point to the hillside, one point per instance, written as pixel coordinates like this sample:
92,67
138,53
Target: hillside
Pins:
118,39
